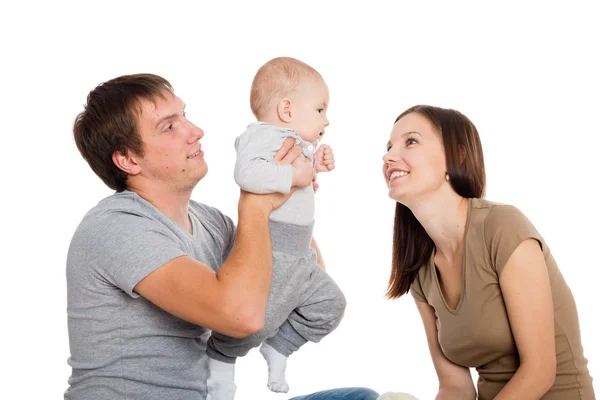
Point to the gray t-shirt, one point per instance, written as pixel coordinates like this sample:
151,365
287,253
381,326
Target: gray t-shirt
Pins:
123,346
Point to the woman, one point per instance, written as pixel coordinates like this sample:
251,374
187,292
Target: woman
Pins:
485,284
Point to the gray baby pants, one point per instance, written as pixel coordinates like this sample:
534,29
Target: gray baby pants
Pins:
305,304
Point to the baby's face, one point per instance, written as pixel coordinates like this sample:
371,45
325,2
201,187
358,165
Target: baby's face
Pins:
309,108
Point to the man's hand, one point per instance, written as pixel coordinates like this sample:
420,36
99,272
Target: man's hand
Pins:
323,159
303,172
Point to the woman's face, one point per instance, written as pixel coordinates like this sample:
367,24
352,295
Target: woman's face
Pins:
415,163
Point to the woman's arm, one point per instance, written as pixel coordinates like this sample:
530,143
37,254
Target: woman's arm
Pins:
455,381
526,290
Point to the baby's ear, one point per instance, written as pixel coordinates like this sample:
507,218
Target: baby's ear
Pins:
284,110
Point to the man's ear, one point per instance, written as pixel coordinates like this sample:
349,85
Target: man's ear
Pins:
284,110
125,162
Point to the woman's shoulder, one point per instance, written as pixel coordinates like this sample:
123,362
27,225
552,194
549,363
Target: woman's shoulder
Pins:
494,215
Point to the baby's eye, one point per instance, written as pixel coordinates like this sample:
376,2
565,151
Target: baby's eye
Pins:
320,110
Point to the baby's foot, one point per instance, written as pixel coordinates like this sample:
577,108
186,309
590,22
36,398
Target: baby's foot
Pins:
396,396
277,363
221,380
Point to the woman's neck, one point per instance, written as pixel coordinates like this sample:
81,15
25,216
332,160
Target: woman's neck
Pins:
444,219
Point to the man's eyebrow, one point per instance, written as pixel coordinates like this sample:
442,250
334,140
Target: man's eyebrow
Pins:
163,119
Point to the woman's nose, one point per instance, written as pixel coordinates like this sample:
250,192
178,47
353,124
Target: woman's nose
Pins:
387,158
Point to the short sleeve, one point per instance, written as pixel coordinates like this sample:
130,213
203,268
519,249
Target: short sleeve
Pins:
222,227
416,290
505,229
123,248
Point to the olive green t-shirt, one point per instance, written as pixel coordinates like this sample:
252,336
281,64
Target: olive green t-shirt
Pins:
477,332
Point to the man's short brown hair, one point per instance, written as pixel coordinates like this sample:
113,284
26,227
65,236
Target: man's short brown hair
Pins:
109,123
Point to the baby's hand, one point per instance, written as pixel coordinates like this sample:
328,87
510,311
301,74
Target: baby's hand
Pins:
323,159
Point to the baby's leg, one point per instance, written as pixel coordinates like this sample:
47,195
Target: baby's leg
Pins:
276,363
287,287
220,384
223,351
319,313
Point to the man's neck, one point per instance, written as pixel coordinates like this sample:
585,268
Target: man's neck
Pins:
171,203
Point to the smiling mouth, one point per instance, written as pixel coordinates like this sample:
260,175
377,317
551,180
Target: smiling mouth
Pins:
397,174
195,154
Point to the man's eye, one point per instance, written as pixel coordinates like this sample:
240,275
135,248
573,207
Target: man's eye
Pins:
168,127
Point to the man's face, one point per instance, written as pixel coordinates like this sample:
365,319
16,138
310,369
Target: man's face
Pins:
172,151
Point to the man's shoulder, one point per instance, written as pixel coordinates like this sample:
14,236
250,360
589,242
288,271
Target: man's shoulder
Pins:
121,210
120,203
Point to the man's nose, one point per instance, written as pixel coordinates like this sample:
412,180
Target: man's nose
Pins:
195,133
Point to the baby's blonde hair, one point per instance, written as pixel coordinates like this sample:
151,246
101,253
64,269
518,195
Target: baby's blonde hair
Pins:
276,79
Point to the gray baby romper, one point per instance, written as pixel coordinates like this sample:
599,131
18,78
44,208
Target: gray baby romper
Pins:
305,304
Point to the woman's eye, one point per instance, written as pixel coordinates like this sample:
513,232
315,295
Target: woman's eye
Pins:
410,141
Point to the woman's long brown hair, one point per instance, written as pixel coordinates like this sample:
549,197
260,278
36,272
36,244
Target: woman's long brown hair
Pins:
412,247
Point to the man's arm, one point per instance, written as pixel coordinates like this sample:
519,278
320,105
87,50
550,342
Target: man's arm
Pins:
232,301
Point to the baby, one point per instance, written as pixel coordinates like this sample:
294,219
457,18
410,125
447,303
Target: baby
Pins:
289,99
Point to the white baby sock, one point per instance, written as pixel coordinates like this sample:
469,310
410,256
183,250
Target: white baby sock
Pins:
277,363
221,380
396,396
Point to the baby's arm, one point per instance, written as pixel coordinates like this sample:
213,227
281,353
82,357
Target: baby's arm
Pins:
256,172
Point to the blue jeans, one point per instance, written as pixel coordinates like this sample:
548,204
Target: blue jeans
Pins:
356,393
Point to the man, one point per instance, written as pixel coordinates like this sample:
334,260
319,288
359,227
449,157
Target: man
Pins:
149,271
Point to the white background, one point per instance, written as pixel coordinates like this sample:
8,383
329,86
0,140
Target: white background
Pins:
525,74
